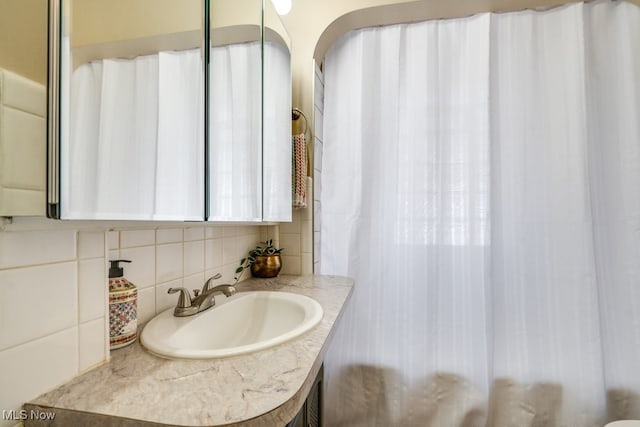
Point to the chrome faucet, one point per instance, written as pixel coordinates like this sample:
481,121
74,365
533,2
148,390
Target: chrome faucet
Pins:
202,299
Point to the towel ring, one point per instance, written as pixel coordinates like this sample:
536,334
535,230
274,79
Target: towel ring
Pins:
296,113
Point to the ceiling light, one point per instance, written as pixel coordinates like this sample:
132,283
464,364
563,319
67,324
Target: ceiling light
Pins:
282,6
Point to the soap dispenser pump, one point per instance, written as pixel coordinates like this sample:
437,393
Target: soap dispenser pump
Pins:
123,297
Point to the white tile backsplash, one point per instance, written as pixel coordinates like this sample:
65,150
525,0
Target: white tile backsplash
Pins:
19,249
65,330
317,154
213,232
319,117
113,240
291,265
169,235
290,243
141,271
146,304
193,257
92,289
33,368
51,292
193,233
228,272
293,226
306,267
230,247
195,281
169,262
316,246
318,127
317,207
212,253
90,244
113,254
133,238
306,238
91,342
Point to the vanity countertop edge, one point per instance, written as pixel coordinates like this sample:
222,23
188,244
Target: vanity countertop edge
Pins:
265,388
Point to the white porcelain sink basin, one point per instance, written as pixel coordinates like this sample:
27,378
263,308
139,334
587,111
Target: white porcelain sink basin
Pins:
244,323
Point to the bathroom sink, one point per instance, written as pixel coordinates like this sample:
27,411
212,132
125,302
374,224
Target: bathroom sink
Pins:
243,323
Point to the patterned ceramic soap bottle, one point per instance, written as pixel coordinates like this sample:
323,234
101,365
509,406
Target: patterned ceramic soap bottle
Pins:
122,307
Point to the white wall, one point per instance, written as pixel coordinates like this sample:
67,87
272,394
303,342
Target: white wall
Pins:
23,38
54,296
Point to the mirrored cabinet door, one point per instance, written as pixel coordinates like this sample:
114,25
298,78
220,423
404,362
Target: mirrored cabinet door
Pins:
142,129
23,106
277,118
131,113
235,111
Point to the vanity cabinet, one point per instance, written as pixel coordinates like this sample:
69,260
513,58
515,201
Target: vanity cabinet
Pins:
215,392
310,414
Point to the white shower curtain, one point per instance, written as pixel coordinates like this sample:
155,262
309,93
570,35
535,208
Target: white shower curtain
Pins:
235,117
480,183
132,135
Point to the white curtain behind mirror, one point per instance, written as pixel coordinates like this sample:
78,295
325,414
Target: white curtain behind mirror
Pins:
235,138
480,183
276,193
180,149
133,145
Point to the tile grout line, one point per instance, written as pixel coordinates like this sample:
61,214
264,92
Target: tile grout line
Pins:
106,353
48,335
77,238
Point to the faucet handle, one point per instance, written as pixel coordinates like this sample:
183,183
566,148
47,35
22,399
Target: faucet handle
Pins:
184,300
207,284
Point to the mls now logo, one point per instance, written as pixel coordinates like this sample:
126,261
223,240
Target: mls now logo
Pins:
23,414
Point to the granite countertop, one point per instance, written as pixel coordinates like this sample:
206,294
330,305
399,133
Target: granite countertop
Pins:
265,388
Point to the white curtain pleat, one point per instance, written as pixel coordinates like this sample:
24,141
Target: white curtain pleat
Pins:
79,160
235,152
405,211
276,142
546,337
127,128
179,185
134,134
613,65
479,184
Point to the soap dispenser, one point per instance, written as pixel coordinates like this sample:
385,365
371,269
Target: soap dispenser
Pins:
122,307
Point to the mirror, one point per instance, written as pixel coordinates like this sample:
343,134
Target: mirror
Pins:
249,113
276,140
131,110
23,106
136,105
235,111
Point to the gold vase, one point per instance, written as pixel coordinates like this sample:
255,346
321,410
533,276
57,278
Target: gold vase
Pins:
266,266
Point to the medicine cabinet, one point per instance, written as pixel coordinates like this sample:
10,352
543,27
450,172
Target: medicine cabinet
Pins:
23,106
169,110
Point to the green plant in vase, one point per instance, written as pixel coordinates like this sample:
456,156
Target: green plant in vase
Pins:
263,261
